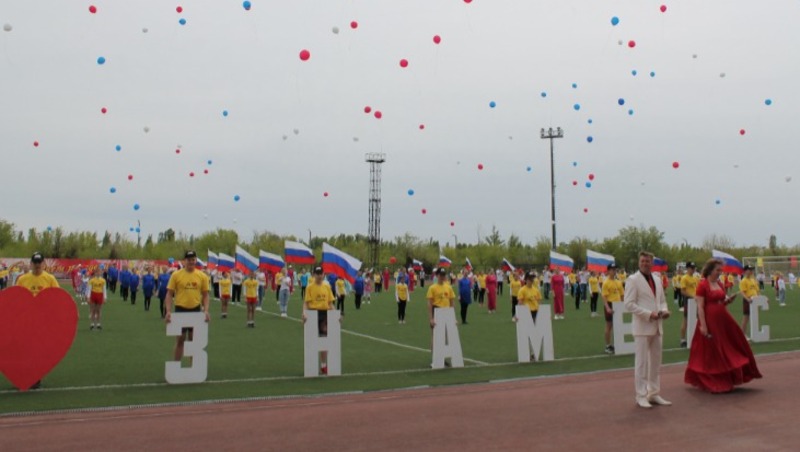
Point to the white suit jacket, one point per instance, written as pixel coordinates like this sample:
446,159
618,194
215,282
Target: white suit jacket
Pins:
641,302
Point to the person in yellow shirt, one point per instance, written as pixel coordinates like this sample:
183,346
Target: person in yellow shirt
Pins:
482,285
188,291
688,288
612,292
97,295
225,291
440,295
3,277
402,296
251,296
573,285
319,297
594,290
676,286
378,279
730,282
749,288
341,293
276,283
516,285
529,296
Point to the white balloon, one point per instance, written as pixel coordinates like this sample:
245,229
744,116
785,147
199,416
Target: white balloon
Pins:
296,131
619,42
788,178
146,129
7,27
721,75
736,166
694,55
335,30
234,221
205,217
285,137
642,183
355,139
145,30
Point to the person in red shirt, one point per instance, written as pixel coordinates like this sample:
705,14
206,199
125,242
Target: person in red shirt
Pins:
557,283
491,290
386,276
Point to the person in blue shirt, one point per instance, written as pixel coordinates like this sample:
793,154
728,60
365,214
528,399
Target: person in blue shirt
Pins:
124,282
464,294
163,281
358,289
133,282
148,287
113,277
304,283
332,280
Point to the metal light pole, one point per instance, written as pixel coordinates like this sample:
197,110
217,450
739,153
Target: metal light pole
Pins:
138,234
456,238
309,238
551,134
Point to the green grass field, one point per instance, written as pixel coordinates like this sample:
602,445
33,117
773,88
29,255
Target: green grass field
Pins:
124,364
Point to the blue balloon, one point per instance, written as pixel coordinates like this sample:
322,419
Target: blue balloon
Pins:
577,107
410,192
589,139
131,228
588,185
247,5
225,113
652,73
136,207
137,229
574,163
634,72
118,148
49,228
101,60
590,120
236,198
630,112
492,104
615,21
182,21
171,260
209,162
574,85
544,94
113,190
529,169
768,102
717,202
621,101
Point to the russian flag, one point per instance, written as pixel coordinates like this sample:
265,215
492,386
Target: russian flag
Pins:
468,265
297,253
212,260
271,262
416,265
729,263
225,263
561,262
598,262
444,262
507,267
339,263
660,265
244,261
201,264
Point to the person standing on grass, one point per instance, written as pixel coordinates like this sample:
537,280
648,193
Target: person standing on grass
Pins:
341,293
113,277
97,286
749,289
237,278
188,291
319,298
402,297
644,298
476,286
676,286
583,284
612,293
781,289
547,276
501,276
594,289
557,282
124,282
529,296
148,287
215,275
515,285
358,289
276,284
367,287
688,289
36,281
385,278
760,278
261,277
225,293
491,290
464,295
440,295
251,297
482,294
378,281
305,276
133,282
285,291
163,281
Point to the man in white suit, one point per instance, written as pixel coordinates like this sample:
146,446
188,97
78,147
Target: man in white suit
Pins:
644,298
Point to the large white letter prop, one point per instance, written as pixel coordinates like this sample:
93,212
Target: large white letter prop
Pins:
758,333
195,349
622,328
536,338
314,344
446,342
691,320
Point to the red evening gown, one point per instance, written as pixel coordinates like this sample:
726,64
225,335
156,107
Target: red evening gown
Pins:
724,360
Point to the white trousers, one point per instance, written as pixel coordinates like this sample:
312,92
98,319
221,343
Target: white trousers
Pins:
648,365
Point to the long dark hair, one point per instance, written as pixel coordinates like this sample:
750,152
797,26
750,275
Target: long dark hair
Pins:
709,266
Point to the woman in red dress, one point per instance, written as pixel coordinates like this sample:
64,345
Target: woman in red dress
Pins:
720,356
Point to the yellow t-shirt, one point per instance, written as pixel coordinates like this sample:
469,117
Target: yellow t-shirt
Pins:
319,297
37,284
572,278
516,285
676,281
97,285
689,285
278,278
612,290
482,281
250,288
377,278
3,273
530,296
749,287
188,288
441,295
225,285
402,291
731,279
340,287
594,284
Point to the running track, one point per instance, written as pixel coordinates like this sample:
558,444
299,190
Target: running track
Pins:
579,412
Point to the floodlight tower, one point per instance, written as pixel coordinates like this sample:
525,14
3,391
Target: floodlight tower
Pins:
551,134
375,161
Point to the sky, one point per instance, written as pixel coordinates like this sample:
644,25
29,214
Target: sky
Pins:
296,130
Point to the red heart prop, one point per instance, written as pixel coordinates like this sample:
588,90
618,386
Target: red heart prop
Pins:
35,333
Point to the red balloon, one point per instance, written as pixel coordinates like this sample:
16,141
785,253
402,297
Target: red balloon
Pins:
452,223
130,176
92,9
676,165
437,39
179,9
585,210
367,109
663,8
378,114
177,151
191,174
325,194
480,166
631,43
305,55
205,171
741,132
422,127
353,25
392,260
467,1
424,211
574,182
36,144
404,63
104,110
591,176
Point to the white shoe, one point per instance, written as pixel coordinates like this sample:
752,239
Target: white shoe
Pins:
259,308
658,400
283,314
643,403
